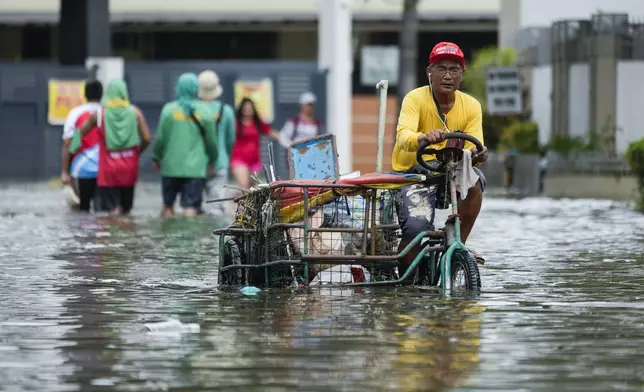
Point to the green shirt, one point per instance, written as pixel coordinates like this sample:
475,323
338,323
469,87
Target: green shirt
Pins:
225,133
179,146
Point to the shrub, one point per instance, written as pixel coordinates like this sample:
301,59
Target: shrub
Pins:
566,145
635,158
522,136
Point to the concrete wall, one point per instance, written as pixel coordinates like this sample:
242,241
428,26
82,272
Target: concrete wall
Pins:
509,21
630,103
274,8
579,100
541,101
574,185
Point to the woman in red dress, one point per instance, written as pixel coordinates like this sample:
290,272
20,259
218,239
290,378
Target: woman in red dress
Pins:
246,155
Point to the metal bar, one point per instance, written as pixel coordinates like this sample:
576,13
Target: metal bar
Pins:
365,226
373,222
411,267
222,200
404,253
365,260
329,259
271,162
305,246
432,234
232,230
269,264
316,185
382,87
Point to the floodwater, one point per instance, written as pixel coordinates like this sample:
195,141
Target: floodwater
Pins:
92,304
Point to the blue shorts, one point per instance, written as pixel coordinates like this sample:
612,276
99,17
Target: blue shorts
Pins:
415,205
191,190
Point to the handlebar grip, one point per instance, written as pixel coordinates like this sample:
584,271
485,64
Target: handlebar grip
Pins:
464,136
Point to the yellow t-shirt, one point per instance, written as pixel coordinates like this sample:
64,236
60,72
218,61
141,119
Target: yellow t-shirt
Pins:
419,114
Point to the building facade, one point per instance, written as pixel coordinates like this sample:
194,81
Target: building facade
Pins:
164,30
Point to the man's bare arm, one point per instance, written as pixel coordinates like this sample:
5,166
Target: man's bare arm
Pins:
66,157
143,129
88,125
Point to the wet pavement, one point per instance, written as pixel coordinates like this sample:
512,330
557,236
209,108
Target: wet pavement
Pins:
97,304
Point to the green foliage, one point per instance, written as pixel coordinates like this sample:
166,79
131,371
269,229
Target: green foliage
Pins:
635,158
493,127
566,145
474,84
522,136
474,81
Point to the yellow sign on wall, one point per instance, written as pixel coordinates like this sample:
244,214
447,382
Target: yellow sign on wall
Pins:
261,92
64,95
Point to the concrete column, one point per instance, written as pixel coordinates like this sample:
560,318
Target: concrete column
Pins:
84,30
509,22
603,89
335,48
560,78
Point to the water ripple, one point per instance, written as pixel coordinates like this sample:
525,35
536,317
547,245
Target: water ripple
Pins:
95,304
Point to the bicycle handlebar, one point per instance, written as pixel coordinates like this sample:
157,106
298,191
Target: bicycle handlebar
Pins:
424,150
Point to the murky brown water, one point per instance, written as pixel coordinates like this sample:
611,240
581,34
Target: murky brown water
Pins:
82,296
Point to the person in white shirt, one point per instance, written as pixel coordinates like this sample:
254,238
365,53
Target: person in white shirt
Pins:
304,125
85,186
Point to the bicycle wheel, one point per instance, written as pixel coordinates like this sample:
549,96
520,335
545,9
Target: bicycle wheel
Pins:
465,272
232,255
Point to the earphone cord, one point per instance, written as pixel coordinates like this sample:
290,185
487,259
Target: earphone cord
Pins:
439,112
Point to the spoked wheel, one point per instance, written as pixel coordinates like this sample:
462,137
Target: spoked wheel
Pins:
465,272
232,255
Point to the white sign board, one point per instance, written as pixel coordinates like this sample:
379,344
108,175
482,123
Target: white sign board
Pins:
379,63
107,68
503,90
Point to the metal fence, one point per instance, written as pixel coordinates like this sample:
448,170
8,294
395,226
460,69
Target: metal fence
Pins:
588,163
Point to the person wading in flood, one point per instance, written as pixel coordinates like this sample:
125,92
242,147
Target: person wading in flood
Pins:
210,91
123,136
246,157
302,126
425,118
186,142
82,151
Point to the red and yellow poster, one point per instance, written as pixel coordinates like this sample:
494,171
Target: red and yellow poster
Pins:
63,96
261,92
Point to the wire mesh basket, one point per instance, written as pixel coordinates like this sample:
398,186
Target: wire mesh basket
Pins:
312,232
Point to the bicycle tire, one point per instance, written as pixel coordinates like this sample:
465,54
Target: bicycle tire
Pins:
464,260
232,255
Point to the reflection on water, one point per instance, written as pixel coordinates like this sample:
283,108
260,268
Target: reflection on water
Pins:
94,304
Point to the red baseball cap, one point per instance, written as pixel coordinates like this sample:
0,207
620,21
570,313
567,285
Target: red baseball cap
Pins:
446,51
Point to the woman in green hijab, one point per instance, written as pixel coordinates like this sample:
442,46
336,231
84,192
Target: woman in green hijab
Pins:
123,136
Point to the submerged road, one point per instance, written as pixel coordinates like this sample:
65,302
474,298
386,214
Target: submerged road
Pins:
93,304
